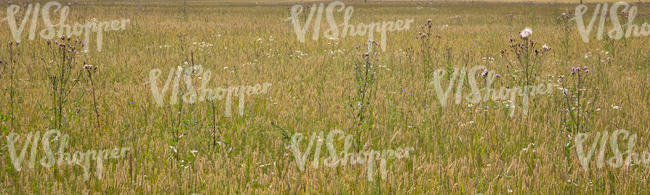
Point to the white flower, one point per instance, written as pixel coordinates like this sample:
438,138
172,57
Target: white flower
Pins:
615,107
524,34
88,67
546,47
173,148
193,152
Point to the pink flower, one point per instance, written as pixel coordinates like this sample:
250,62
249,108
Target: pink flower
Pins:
484,73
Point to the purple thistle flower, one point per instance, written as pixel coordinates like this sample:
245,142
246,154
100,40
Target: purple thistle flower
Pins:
484,73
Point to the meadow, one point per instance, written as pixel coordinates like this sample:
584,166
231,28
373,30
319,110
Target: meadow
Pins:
385,99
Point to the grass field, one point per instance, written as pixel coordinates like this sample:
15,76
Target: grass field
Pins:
385,101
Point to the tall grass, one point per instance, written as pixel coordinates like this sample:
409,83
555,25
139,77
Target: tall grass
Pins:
459,149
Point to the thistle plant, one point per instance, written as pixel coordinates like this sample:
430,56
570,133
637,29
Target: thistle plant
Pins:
525,54
579,99
427,48
90,69
64,77
365,90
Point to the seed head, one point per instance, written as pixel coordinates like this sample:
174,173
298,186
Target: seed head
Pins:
526,33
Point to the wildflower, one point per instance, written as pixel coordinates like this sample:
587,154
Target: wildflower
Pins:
546,47
527,32
484,73
365,54
88,67
422,35
497,75
373,42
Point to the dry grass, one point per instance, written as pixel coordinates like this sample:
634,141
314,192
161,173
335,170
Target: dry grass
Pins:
311,93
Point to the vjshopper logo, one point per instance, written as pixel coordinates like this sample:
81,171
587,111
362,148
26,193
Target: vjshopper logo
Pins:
191,95
334,31
60,157
475,97
61,29
599,147
618,30
368,158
